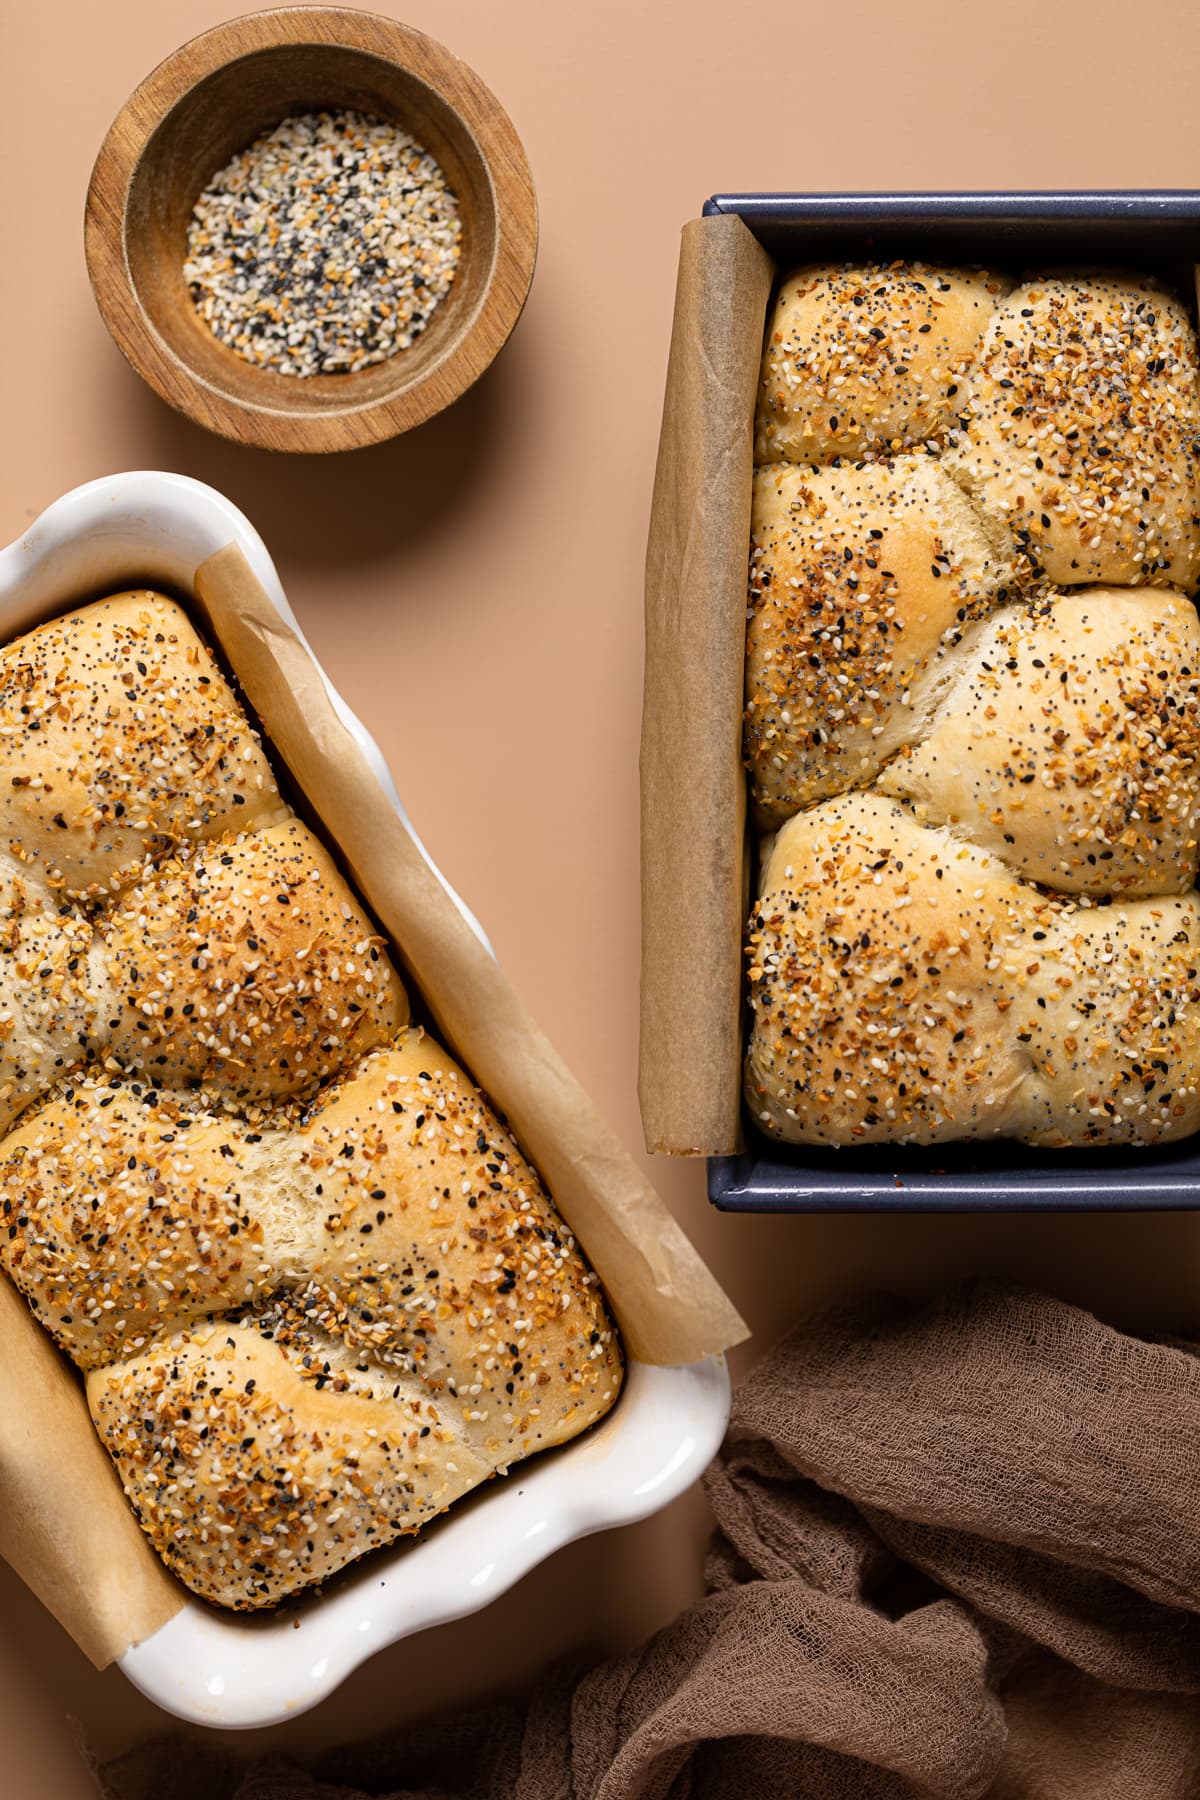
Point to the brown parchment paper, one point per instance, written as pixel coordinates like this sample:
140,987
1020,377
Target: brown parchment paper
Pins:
65,1525
694,875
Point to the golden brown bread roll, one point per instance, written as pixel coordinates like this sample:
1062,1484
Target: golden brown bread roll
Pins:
247,962
867,359
244,962
1110,1020
172,1209
1083,430
419,1316
53,996
255,1474
125,1213
119,739
907,988
862,582
1069,743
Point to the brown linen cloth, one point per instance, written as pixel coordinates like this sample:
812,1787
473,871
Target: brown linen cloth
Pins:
958,1555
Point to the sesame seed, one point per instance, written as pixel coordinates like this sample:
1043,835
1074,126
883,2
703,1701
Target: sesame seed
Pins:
325,246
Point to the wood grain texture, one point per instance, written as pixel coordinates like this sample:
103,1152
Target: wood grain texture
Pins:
208,101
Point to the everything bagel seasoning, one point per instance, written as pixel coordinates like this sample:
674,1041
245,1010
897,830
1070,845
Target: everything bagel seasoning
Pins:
324,246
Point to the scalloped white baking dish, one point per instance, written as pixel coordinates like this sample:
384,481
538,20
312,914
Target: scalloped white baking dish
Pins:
220,1669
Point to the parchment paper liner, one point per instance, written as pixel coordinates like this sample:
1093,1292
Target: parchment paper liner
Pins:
694,863
65,1525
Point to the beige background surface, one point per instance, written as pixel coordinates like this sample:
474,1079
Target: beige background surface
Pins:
475,591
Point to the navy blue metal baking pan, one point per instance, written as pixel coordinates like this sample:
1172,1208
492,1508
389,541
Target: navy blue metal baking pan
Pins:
1158,231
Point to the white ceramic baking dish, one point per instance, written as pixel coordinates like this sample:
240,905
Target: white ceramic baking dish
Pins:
217,1668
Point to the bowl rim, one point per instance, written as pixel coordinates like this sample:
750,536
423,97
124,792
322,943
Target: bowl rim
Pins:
483,331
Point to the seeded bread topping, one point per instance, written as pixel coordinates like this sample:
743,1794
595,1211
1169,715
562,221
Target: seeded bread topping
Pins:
1081,431
907,988
869,359
1069,743
863,583
985,923
119,739
247,962
317,1289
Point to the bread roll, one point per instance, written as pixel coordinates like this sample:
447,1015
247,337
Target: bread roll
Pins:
54,1000
171,1209
1083,431
257,1468
1069,743
1111,1022
867,359
419,1316
128,1210
247,962
907,988
862,582
120,739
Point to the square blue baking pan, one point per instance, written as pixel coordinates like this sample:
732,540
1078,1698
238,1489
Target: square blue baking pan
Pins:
1156,231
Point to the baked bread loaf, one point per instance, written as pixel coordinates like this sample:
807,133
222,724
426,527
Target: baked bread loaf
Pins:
318,1291
409,1315
862,583
865,359
1069,743
997,934
1082,431
907,988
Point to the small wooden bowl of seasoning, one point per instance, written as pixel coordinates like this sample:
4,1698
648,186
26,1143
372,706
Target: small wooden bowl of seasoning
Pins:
311,229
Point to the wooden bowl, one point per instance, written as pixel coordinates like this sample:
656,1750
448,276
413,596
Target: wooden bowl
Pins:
207,102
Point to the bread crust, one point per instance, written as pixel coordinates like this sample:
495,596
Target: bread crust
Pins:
408,1271
1069,744
317,1289
247,963
865,359
906,987
863,583
121,739
1082,431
